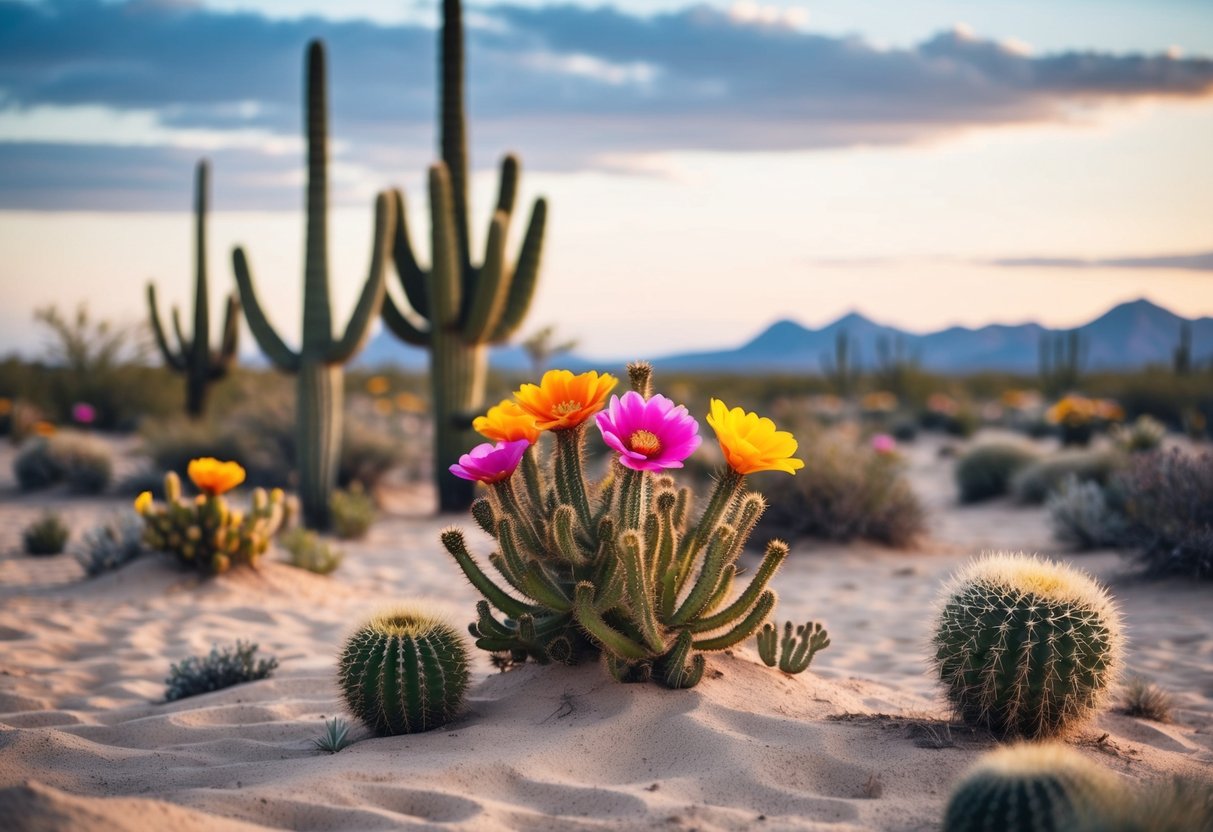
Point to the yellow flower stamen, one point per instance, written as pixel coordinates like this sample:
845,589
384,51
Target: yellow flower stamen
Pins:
644,442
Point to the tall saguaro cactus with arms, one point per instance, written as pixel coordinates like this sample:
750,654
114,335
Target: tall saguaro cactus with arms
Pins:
319,362
458,309
193,356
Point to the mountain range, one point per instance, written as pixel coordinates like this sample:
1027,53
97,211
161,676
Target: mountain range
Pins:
1128,336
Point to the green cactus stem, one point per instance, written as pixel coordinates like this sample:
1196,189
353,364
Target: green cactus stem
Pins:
796,649
841,368
457,309
404,672
193,356
1062,355
1026,647
319,362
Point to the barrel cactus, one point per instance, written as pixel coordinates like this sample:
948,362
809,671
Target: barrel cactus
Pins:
1026,647
403,672
1029,788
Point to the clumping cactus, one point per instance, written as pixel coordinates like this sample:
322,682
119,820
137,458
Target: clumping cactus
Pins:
796,649
464,308
403,672
193,356
1026,647
318,364
206,533
1029,788
46,536
622,567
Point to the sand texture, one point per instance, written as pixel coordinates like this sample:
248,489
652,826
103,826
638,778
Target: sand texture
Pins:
861,741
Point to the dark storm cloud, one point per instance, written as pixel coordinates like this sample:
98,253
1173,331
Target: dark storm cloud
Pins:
571,87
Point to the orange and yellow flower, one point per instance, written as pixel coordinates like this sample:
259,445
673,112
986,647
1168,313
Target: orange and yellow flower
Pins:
752,443
143,502
507,422
561,400
214,477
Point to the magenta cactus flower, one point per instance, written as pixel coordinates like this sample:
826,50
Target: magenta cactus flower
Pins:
883,444
489,463
649,435
84,413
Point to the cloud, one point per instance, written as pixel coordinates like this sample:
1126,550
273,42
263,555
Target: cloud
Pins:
569,86
1198,262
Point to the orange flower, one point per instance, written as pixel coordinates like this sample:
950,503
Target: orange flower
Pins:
214,477
143,502
752,443
507,422
562,400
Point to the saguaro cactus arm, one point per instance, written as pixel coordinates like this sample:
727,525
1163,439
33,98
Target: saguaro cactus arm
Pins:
231,334
446,289
174,359
371,301
526,275
412,276
270,342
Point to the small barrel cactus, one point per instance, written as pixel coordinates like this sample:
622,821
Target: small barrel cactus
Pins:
45,536
796,649
404,672
1024,646
1028,788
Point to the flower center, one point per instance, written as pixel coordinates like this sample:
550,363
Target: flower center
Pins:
644,442
567,407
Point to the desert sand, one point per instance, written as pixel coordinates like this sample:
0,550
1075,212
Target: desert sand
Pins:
861,741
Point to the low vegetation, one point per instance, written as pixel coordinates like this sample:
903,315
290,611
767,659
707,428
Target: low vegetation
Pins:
222,668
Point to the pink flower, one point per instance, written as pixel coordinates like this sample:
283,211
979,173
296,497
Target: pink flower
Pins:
489,463
882,443
649,435
83,413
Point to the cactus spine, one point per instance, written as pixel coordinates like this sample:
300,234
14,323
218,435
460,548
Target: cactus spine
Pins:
1029,788
796,648
457,309
318,364
193,356
404,672
1026,647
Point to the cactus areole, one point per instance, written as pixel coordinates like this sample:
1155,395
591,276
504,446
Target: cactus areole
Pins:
319,362
457,309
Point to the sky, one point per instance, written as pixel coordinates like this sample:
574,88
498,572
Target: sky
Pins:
710,167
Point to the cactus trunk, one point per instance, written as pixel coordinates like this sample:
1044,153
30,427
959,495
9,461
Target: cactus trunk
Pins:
318,443
458,381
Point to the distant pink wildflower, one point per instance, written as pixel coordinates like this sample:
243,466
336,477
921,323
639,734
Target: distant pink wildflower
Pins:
489,463
649,435
884,444
84,413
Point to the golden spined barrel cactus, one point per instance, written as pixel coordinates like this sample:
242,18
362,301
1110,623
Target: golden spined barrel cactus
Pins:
1029,788
206,533
1026,647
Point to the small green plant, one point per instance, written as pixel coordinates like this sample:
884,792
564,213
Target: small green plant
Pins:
1082,517
1026,647
310,551
986,470
1028,788
1142,698
795,650
1034,483
353,512
46,536
336,736
404,672
112,544
35,467
221,669
1145,434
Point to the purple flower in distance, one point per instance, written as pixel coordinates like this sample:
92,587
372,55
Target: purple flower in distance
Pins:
649,435
84,413
489,463
882,443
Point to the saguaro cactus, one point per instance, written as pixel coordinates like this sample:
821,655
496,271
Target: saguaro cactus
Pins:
193,356
842,367
319,362
457,308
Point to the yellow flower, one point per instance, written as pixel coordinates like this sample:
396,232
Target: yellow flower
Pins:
143,502
562,400
43,428
378,385
383,407
1072,410
751,443
409,403
507,422
214,477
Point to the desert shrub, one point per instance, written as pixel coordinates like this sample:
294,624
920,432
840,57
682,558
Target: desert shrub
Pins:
985,471
1142,698
221,669
848,492
84,463
45,536
1145,434
1168,500
308,550
1034,483
35,467
1083,517
353,512
904,430
112,544
368,454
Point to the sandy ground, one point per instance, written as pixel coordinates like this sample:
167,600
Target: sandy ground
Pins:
86,743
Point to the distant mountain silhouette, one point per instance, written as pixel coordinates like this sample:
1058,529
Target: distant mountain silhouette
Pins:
1128,336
